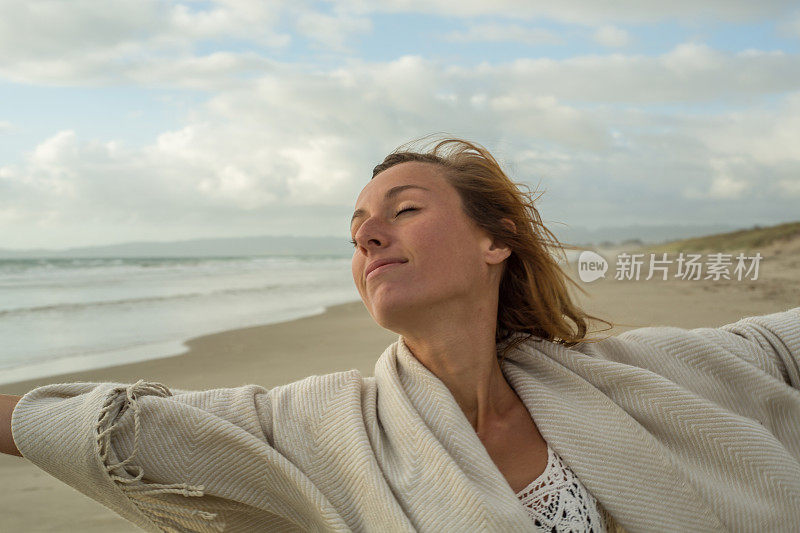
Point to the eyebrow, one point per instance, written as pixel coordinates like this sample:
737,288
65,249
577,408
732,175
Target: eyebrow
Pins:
394,191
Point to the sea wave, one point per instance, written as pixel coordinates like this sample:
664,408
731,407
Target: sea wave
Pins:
78,306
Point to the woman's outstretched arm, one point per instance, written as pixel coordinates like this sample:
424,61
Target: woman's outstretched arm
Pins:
7,404
182,460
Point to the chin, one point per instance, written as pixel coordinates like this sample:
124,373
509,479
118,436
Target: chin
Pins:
388,315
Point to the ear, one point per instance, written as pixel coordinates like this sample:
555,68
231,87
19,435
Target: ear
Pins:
498,251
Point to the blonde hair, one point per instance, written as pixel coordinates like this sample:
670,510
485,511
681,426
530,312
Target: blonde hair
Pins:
533,297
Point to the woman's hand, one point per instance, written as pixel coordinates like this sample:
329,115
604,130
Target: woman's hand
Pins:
7,404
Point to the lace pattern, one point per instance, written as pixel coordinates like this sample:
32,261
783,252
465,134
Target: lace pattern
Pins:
558,502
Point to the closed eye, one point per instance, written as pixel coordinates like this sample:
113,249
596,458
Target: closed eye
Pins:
405,209
353,241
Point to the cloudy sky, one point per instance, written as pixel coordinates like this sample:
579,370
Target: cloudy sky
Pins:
166,120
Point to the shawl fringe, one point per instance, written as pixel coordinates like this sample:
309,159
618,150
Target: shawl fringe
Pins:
169,517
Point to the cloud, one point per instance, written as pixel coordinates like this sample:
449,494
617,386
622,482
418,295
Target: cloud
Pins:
288,139
94,42
5,125
586,11
331,31
612,37
495,32
158,43
768,135
724,184
689,73
247,20
263,152
280,148
790,187
790,25
212,72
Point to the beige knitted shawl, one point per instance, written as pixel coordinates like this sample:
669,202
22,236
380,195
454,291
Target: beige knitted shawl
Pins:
670,429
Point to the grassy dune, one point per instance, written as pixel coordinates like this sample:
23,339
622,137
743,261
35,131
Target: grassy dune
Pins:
742,240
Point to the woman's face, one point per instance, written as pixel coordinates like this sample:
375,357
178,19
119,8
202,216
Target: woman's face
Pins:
439,259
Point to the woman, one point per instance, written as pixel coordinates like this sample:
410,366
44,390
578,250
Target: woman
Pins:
491,412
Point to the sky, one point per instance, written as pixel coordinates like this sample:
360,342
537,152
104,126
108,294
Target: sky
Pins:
148,120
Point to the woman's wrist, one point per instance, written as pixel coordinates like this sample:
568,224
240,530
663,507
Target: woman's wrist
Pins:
7,404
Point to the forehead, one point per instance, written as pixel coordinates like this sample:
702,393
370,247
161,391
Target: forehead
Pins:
428,175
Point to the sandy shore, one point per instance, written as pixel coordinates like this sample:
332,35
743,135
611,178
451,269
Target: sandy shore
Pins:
346,337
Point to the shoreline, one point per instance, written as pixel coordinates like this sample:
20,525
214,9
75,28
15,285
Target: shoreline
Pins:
140,353
59,317
184,370
90,361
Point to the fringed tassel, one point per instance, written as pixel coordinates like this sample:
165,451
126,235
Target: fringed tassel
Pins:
117,402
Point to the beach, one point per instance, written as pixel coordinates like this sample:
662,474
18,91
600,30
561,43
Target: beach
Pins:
345,337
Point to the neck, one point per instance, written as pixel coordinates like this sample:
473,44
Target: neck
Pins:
465,360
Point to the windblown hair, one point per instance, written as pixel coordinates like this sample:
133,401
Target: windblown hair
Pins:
533,297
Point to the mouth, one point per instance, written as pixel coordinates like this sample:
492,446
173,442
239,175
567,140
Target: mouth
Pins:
381,266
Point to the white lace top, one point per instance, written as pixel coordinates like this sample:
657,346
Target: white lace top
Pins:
558,502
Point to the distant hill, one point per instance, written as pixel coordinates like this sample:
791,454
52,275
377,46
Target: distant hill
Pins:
632,234
755,238
225,247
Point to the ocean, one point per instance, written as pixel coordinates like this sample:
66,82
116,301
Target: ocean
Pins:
64,315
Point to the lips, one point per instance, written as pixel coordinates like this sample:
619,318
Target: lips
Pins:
381,262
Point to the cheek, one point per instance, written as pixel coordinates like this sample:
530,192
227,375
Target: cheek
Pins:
445,248
356,267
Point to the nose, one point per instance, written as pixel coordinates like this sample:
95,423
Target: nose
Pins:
370,235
